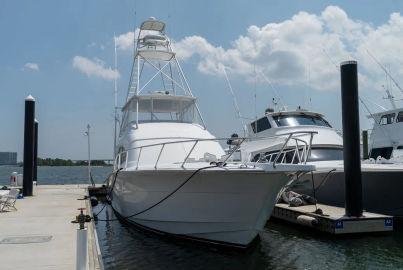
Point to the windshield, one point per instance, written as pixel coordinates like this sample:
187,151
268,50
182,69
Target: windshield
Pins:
161,109
300,120
316,154
323,154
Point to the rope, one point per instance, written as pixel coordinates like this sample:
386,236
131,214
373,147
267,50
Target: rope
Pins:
324,179
314,193
163,199
92,180
110,192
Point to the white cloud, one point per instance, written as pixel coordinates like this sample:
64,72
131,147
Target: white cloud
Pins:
306,45
125,42
31,66
94,68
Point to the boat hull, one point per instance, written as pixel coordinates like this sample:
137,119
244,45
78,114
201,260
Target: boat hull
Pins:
382,190
216,205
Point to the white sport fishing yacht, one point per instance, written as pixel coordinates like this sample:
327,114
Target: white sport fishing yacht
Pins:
171,174
382,183
386,139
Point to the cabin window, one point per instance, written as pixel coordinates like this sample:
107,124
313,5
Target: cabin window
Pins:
260,125
399,117
300,120
387,119
161,108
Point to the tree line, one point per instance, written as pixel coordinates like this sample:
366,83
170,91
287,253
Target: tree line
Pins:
69,162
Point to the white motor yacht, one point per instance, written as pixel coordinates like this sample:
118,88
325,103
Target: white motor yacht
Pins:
172,175
382,183
386,139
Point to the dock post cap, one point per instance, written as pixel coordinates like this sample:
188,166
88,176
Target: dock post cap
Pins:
29,98
348,62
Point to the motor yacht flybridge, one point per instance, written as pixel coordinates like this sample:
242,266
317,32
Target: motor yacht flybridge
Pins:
172,175
382,183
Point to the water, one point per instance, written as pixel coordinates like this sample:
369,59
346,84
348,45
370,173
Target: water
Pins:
282,246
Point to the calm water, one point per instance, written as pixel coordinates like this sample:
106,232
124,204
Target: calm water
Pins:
282,246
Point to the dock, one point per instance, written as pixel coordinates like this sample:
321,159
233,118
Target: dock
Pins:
40,235
331,219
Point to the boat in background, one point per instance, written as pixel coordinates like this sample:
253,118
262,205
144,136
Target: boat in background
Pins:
171,175
382,183
386,138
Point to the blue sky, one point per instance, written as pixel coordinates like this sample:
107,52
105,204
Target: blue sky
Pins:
41,38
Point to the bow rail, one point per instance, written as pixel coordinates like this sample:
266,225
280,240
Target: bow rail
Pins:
121,160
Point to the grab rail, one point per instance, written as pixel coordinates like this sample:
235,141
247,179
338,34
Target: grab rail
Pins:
302,157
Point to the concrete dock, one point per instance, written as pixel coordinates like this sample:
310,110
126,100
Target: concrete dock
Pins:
40,235
332,219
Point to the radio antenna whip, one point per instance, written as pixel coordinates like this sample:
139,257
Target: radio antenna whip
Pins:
238,112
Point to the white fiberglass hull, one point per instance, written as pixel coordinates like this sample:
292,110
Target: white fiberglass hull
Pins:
216,205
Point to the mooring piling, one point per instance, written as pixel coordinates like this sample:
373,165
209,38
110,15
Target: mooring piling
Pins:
35,178
351,138
29,133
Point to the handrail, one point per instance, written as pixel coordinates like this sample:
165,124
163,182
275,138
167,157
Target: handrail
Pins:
282,149
301,158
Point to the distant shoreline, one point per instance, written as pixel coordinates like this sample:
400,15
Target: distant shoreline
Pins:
58,162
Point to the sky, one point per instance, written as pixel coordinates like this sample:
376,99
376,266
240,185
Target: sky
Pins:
62,53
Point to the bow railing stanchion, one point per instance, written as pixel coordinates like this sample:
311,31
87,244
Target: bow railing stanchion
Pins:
188,155
309,148
127,158
115,163
233,150
297,150
282,149
138,158
159,155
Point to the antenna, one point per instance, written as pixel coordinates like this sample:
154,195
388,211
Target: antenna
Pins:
385,70
254,71
330,59
235,101
277,96
116,100
389,96
308,80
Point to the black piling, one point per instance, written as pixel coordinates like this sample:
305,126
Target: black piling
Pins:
35,178
365,152
351,138
29,132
